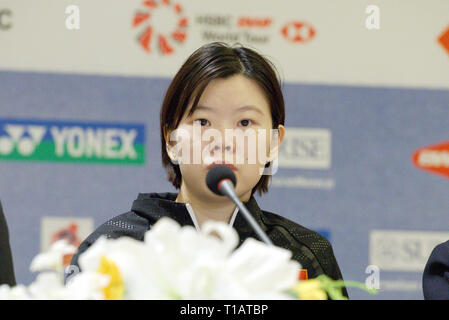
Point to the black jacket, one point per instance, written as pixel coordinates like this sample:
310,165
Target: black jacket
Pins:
436,274
310,249
6,266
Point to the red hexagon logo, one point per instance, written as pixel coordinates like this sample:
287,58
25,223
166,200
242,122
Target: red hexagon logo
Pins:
298,31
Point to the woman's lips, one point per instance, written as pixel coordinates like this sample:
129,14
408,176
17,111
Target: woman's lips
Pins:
222,164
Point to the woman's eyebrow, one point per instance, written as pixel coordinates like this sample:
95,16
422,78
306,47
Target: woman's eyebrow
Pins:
205,108
241,109
250,108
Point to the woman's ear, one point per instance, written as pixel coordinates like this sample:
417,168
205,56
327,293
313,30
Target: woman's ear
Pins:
277,137
170,146
172,154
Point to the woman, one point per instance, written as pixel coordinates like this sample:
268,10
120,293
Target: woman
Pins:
228,94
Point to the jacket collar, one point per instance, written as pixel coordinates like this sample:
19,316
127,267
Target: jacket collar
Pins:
154,206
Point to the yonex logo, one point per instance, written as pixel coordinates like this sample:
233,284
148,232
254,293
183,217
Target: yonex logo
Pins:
106,143
24,139
72,142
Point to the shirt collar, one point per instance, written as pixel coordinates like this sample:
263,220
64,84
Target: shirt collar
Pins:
195,222
154,206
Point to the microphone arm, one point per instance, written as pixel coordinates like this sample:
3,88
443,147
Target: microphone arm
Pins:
227,188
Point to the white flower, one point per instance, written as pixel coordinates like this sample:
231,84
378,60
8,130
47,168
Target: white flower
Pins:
47,286
172,262
189,262
18,292
180,263
53,258
258,271
86,286
132,259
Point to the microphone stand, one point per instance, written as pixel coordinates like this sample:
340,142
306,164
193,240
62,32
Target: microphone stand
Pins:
227,188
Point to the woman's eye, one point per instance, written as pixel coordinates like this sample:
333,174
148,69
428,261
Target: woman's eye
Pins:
245,123
203,122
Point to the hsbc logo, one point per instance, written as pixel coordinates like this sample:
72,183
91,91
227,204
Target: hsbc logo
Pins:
298,31
71,142
434,159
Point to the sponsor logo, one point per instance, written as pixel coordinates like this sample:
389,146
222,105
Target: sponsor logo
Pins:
400,285
70,235
394,250
31,140
5,19
162,25
229,28
298,31
444,40
303,182
254,30
254,22
212,20
306,149
434,159
73,230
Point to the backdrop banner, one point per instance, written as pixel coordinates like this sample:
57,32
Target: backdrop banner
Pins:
365,161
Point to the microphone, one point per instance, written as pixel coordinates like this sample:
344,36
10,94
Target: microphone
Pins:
221,181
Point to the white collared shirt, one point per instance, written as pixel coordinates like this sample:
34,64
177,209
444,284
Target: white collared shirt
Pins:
195,222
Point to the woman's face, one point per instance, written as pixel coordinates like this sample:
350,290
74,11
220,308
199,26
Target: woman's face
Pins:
231,125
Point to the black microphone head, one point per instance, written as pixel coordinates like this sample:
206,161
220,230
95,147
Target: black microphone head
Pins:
216,175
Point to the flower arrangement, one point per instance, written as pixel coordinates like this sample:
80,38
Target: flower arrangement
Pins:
175,262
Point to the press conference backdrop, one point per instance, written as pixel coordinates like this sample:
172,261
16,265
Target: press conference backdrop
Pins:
365,161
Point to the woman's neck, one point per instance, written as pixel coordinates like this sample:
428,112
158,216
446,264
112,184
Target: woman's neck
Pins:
208,209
